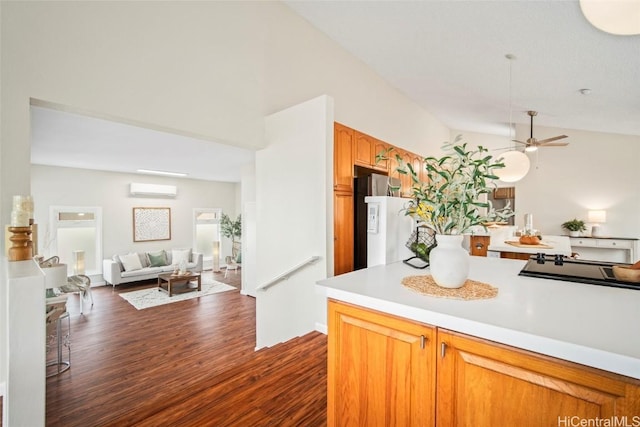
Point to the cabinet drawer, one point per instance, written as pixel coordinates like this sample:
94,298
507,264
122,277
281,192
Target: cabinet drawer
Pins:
614,244
577,241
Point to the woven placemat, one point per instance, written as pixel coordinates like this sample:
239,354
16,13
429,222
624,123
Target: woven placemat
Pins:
469,291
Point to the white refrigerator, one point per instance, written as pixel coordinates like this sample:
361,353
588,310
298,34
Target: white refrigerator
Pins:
388,230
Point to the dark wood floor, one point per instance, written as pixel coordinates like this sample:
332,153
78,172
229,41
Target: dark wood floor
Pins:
189,363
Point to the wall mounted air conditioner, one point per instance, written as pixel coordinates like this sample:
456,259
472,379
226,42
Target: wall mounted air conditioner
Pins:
153,190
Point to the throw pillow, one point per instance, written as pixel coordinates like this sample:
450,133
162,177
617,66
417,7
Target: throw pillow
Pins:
144,261
179,255
131,262
157,259
116,259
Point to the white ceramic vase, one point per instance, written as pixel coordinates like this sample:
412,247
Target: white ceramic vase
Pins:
449,261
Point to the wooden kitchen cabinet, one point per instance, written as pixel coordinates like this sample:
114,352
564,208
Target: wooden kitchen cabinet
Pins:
481,383
342,232
365,149
381,369
479,244
386,370
379,147
343,142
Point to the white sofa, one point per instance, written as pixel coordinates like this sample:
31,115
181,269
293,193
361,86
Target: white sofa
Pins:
116,272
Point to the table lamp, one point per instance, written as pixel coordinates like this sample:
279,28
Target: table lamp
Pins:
78,262
597,218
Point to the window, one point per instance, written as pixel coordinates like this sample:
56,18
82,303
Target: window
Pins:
206,230
77,229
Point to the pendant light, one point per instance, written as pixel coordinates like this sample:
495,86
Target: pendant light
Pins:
619,17
516,163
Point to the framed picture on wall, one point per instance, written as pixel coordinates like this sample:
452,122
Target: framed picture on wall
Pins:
151,224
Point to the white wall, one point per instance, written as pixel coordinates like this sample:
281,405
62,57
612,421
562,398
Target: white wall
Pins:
110,191
213,69
208,69
595,171
291,219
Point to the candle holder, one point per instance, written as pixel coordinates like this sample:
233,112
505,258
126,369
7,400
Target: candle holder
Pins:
21,249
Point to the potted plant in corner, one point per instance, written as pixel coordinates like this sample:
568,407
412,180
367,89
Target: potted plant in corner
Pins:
233,230
574,227
450,202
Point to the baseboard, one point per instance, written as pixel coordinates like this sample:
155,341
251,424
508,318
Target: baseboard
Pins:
322,328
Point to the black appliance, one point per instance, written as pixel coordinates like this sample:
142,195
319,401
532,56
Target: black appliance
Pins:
559,268
371,184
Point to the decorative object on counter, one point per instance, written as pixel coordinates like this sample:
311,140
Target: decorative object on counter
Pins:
232,229
574,227
449,261
21,248
519,244
471,290
528,240
597,218
450,200
421,242
21,221
626,274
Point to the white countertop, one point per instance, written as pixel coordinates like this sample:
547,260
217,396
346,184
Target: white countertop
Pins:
560,245
587,324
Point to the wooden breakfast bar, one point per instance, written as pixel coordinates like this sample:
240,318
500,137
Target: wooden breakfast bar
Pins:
539,353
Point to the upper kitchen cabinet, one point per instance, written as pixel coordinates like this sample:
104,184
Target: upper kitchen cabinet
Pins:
343,158
365,149
378,148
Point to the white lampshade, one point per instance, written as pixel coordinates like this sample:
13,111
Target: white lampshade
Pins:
621,17
216,256
516,166
55,276
597,217
78,262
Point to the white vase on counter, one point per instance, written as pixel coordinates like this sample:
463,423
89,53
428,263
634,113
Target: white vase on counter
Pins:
449,261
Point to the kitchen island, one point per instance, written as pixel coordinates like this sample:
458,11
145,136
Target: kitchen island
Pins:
558,325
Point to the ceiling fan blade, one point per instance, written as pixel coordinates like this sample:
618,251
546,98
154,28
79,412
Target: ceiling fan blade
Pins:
520,142
553,144
555,138
508,148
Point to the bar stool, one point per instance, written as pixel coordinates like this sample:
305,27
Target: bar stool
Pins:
58,335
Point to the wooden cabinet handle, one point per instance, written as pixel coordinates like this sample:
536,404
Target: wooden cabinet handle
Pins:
443,348
423,341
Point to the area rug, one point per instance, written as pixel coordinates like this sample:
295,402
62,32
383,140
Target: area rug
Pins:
152,297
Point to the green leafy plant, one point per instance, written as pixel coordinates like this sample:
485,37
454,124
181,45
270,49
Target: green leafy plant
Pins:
233,230
453,198
574,225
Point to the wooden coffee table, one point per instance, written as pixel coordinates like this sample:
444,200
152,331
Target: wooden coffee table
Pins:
168,281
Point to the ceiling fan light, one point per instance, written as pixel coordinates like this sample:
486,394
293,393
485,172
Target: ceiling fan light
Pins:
516,166
531,148
613,16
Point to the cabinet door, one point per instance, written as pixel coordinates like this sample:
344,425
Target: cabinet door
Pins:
479,245
379,147
343,138
343,233
363,149
406,182
486,384
381,369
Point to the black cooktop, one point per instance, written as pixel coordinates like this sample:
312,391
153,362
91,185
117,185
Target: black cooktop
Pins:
570,270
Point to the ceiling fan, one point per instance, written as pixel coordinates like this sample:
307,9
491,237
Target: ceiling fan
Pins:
532,144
